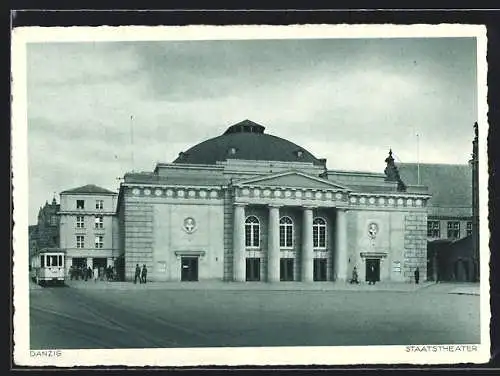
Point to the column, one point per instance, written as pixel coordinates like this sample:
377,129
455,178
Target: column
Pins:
273,247
341,246
239,262
307,244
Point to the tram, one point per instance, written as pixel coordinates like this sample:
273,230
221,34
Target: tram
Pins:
47,266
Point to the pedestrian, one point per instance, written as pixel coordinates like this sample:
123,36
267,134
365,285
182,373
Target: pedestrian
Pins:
96,274
88,272
137,274
354,278
417,275
144,273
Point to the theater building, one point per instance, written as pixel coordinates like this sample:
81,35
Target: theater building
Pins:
249,206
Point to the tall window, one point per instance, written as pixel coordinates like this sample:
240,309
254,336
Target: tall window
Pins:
319,233
286,232
469,228
99,221
80,221
80,241
53,220
80,204
433,229
99,204
99,241
252,232
453,229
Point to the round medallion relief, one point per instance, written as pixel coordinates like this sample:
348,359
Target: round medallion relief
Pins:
180,193
409,202
318,195
298,194
203,193
308,194
338,196
381,201
371,200
277,193
362,200
136,191
191,193
391,201
169,193
400,201
418,202
158,192
245,192
147,191
213,194
256,192
353,200
267,192
288,193
328,195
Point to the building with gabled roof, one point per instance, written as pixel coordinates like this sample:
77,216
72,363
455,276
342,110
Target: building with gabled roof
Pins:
88,228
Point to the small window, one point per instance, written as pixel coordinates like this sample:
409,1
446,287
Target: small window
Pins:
433,229
42,261
453,230
80,221
99,204
99,221
99,241
80,241
469,228
80,204
60,260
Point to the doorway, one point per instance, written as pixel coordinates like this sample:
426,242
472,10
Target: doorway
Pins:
189,268
372,270
253,269
286,269
319,272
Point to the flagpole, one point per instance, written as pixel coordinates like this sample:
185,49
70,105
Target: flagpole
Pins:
132,140
418,159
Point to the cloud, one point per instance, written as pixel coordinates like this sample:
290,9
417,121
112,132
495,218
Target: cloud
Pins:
345,100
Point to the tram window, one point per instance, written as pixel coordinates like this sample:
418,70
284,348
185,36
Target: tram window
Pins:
60,260
42,261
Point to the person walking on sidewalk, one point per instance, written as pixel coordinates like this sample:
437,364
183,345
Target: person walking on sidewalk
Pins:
417,275
144,273
137,274
96,274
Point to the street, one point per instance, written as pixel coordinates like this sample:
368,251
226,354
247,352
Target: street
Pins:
140,317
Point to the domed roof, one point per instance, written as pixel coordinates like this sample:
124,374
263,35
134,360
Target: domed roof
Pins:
246,140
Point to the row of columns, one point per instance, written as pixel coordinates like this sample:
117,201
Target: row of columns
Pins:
273,249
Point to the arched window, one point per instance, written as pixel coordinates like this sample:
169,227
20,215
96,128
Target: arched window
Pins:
286,232
319,233
252,232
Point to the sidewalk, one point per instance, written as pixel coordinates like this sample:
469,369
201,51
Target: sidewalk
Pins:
249,286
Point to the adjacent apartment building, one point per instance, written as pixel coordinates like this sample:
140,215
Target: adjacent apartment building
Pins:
88,227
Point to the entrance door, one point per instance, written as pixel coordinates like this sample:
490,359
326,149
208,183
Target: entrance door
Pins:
319,271
373,270
286,269
253,269
189,268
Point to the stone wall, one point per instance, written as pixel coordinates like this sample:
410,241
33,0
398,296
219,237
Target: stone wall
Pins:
415,245
138,233
228,236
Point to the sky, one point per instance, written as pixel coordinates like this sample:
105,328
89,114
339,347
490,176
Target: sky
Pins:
97,110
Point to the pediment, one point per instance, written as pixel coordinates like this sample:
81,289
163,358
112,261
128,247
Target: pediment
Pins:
291,179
